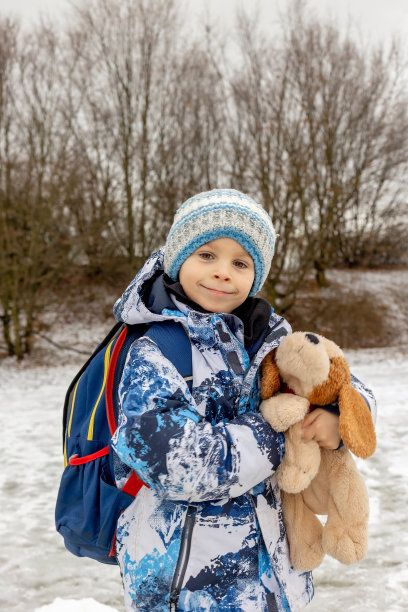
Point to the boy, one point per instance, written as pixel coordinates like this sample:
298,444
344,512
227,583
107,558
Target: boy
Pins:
206,532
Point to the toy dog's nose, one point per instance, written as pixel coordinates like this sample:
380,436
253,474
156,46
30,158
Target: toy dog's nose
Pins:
312,338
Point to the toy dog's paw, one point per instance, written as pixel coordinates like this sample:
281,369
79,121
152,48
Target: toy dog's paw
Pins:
283,410
307,559
294,479
346,545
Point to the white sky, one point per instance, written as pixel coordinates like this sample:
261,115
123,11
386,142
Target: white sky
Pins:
375,19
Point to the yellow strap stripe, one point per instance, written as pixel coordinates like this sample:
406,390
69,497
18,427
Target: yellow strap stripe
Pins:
105,374
68,432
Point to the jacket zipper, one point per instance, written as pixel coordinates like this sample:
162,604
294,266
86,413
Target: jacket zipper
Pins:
183,557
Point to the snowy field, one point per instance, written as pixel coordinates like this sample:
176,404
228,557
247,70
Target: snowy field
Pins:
37,574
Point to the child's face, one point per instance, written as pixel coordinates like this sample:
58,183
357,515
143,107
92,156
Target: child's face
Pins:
218,275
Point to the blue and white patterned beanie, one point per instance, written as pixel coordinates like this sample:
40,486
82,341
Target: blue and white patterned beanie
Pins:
221,213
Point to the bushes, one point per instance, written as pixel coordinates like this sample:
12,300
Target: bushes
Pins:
357,310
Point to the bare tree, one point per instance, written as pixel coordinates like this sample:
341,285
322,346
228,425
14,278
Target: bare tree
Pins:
127,46
318,132
353,107
34,239
264,133
9,32
188,151
93,189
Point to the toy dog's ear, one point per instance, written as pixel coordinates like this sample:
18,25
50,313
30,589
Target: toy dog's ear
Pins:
356,425
271,381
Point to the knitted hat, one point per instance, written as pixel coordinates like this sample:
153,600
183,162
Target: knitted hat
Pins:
221,213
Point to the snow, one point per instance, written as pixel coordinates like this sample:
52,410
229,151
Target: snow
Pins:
35,568
37,574
75,605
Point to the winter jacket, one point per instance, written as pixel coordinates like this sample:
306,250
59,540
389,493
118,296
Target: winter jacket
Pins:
206,533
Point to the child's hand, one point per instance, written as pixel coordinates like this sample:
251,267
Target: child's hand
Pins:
323,427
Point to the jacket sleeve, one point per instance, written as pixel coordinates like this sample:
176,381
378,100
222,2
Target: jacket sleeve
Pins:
365,393
181,456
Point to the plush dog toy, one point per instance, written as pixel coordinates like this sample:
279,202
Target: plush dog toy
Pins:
314,480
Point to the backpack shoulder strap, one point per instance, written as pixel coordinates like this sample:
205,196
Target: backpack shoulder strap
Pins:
114,332
174,342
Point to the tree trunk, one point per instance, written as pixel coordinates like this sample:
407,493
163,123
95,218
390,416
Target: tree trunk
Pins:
6,320
320,274
18,345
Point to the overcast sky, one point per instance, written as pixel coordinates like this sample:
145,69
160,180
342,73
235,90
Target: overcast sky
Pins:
376,19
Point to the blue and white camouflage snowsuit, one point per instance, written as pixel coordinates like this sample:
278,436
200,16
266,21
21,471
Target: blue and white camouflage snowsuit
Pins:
208,533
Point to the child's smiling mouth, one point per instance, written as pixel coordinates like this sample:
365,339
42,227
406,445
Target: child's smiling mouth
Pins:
217,291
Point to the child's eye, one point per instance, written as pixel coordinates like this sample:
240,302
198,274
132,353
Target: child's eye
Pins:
240,264
205,255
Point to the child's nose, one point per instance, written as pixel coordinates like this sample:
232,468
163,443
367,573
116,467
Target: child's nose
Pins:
222,271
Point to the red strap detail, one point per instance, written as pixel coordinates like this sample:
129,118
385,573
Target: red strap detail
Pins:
110,380
286,389
133,485
113,549
75,460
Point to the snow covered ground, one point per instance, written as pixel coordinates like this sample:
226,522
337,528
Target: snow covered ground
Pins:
37,574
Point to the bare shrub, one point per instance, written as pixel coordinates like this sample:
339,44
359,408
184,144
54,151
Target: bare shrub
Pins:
352,319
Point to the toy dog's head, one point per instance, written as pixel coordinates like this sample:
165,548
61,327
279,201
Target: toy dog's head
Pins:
314,367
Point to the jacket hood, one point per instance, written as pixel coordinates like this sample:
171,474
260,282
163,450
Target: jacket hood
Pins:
145,298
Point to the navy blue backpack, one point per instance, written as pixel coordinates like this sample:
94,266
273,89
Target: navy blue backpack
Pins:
89,503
